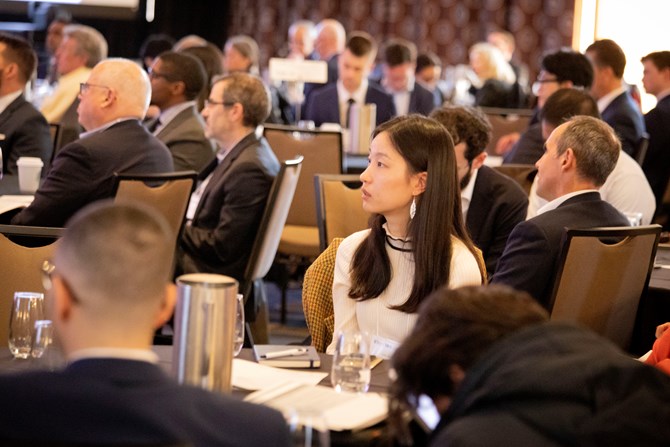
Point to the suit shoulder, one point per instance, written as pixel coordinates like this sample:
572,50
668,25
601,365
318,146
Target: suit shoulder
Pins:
497,184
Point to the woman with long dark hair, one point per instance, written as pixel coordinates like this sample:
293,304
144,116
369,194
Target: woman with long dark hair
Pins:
417,242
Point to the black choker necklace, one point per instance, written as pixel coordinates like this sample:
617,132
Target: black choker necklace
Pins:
395,247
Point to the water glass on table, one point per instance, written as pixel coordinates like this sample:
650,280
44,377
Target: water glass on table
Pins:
308,427
43,338
239,326
351,362
27,308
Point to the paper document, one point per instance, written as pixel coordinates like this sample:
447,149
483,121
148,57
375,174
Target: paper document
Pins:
8,203
341,411
252,376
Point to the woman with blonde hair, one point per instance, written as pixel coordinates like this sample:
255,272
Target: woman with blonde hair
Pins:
494,82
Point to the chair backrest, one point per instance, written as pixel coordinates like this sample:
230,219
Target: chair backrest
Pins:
322,154
55,134
317,297
522,174
20,270
168,193
641,149
504,121
273,220
339,207
602,274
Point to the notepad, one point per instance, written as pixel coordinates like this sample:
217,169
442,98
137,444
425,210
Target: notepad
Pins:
307,359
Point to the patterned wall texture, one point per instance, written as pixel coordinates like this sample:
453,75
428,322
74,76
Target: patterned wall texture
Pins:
448,27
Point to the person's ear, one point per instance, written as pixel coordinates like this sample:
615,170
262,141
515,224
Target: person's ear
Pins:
420,183
166,306
478,161
63,302
568,159
456,374
178,88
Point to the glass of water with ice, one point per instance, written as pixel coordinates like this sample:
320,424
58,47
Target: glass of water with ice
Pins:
351,362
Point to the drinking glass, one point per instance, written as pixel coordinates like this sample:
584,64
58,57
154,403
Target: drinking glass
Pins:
43,338
308,427
351,362
27,308
239,326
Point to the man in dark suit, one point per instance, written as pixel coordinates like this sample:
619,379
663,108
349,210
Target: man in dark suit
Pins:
579,156
656,82
398,79
112,102
331,104
23,130
328,45
109,284
614,101
176,82
493,204
226,208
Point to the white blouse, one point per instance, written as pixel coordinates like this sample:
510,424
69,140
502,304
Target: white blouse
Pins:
374,315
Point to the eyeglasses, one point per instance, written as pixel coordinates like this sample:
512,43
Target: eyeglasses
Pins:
209,102
538,83
48,269
153,74
84,86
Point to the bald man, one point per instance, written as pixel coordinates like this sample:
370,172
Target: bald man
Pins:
109,285
112,102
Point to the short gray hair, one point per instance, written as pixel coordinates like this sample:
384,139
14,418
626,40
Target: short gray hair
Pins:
249,91
595,145
90,43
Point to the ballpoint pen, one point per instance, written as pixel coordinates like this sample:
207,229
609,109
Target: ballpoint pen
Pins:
285,353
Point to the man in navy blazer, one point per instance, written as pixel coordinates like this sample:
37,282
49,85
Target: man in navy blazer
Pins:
656,82
112,102
24,131
579,156
614,101
493,204
226,207
331,104
398,79
109,285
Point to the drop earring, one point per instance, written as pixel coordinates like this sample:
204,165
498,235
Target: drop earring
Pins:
412,208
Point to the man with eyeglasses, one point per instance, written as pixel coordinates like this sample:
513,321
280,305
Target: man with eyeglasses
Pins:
176,82
561,69
492,203
225,210
110,288
111,104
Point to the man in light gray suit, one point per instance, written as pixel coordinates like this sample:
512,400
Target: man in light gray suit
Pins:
176,82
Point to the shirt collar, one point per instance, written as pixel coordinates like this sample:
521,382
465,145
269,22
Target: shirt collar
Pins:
466,193
170,113
559,201
106,126
6,100
358,96
608,98
144,355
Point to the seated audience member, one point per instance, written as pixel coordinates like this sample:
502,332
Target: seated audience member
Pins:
561,69
505,42
49,71
176,81
660,353
656,81
399,62
492,203
626,188
154,45
494,75
417,242
579,156
110,290
112,103
24,129
212,59
241,54
301,36
500,375
329,43
80,50
188,41
226,207
615,103
428,72
331,104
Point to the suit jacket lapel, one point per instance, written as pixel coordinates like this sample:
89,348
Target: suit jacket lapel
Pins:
7,113
177,120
